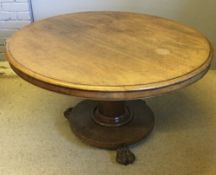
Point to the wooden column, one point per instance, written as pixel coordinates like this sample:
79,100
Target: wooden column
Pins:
112,114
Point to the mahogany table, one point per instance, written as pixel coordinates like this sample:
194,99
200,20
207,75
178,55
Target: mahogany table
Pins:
112,59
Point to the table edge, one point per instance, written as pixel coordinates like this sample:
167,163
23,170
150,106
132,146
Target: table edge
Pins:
140,87
110,96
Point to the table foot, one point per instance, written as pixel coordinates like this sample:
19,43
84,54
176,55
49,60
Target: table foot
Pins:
67,113
124,156
112,124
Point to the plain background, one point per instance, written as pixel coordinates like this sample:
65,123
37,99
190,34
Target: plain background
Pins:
197,13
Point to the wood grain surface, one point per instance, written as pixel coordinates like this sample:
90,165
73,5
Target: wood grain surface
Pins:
109,55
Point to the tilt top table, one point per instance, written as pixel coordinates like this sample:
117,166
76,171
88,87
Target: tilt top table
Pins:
112,59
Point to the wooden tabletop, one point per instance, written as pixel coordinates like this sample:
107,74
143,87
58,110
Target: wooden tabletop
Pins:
109,55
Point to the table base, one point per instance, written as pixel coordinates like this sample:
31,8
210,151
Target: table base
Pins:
111,125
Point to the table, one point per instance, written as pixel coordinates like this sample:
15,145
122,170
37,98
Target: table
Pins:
112,59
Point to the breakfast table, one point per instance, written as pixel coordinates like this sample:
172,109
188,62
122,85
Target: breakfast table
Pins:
114,60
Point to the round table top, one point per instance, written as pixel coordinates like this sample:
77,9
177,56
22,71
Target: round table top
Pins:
109,55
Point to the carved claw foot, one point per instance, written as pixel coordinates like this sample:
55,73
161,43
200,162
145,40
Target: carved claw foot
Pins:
124,155
67,112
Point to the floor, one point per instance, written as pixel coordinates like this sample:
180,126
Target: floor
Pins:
35,138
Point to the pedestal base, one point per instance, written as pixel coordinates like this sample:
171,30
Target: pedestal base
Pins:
82,121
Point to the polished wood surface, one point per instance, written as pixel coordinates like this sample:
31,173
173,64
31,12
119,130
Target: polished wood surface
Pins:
109,55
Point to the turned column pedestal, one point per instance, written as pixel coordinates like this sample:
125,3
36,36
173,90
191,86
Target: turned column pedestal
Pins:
111,124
